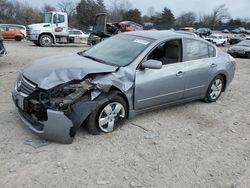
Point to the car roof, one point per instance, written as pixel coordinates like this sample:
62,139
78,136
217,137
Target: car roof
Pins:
158,34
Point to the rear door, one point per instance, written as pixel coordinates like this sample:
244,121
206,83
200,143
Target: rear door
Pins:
198,57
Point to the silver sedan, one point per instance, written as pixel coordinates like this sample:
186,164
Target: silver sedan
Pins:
121,77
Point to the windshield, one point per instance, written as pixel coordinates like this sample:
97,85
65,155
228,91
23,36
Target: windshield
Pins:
244,43
119,50
48,18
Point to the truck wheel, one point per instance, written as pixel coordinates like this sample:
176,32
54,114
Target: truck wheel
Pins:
46,41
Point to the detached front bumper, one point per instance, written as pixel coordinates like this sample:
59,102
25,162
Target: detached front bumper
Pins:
58,126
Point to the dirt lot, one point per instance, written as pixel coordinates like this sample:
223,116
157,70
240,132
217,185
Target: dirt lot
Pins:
191,145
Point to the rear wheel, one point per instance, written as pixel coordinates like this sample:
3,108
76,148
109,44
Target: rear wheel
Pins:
107,117
46,41
215,89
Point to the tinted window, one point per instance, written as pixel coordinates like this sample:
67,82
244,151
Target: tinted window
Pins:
77,33
195,50
167,52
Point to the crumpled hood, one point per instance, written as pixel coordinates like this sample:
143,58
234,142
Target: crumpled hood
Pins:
50,72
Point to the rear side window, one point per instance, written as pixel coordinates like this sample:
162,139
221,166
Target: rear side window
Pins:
195,50
211,51
12,29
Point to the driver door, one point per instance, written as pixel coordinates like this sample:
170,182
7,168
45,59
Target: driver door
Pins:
60,24
165,85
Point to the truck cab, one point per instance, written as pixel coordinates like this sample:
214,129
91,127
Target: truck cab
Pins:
54,29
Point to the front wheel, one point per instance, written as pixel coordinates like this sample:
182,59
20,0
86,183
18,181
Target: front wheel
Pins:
46,41
215,89
107,117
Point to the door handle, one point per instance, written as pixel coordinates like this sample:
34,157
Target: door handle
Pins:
180,73
213,65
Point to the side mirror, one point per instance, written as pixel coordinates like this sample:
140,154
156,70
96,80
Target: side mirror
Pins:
152,64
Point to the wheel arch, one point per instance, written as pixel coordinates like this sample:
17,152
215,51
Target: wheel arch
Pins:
225,80
123,95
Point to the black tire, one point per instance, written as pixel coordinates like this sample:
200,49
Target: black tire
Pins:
45,41
18,39
248,55
208,98
36,43
93,126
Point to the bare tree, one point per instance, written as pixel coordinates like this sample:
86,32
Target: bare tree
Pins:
47,8
188,18
69,7
117,9
219,14
151,11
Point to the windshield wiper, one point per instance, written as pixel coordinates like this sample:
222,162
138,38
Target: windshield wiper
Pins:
95,59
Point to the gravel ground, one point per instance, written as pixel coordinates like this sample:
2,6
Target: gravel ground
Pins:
191,145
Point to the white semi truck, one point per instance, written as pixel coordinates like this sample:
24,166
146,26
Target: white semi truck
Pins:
54,30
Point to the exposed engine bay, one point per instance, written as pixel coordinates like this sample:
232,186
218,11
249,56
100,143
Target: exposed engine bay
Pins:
59,99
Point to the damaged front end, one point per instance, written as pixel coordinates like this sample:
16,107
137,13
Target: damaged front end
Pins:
48,113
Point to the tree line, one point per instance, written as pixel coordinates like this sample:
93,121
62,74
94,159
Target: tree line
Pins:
82,14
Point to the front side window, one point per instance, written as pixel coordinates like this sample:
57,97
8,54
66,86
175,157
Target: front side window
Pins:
195,50
167,52
58,18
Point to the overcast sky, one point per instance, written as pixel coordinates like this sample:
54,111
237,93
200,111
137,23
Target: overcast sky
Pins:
237,8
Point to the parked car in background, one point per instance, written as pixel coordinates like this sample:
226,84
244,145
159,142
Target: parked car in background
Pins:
203,32
188,29
103,30
10,32
242,49
238,38
248,32
125,75
242,29
236,31
76,35
21,27
216,39
225,31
